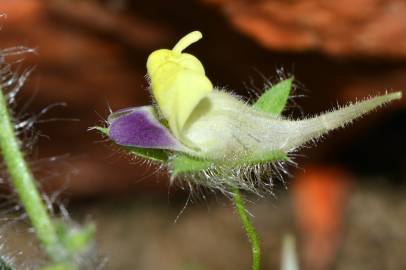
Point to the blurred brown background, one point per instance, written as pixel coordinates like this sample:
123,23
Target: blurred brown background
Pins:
92,54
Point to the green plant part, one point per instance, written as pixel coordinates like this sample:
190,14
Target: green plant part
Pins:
75,239
24,185
273,100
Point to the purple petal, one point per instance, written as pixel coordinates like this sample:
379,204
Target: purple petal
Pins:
138,127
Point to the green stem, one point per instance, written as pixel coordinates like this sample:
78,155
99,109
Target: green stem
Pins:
24,184
249,229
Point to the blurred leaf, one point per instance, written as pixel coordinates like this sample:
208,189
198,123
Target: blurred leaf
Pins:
273,101
73,240
4,265
103,130
78,240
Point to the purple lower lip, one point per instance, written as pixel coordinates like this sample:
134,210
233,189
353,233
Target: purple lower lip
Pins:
140,128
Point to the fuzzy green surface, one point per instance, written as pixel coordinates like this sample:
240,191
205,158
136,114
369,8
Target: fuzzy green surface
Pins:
182,164
274,99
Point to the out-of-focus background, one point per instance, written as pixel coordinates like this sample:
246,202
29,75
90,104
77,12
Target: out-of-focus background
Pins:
345,203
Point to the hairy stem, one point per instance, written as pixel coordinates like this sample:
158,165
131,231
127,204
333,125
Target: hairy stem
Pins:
24,184
249,229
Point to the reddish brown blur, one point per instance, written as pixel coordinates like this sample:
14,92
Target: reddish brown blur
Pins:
319,195
346,27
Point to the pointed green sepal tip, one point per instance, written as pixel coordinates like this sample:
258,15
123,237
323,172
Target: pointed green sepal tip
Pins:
156,155
102,130
274,99
75,239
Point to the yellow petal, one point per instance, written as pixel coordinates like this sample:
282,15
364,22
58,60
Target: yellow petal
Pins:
178,82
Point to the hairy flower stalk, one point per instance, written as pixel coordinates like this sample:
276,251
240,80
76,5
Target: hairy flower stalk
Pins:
23,182
65,243
214,138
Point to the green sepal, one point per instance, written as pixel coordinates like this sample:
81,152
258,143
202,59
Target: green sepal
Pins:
75,240
103,130
156,155
183,164
274,100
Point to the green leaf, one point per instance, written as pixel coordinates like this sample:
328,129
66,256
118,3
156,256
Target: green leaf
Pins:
74,239
273,101
78,240
186,164
182,163
157,155
103,130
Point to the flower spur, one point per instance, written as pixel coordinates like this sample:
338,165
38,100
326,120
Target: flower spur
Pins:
195,128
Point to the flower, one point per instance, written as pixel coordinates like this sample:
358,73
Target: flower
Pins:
195,127
172,74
